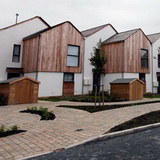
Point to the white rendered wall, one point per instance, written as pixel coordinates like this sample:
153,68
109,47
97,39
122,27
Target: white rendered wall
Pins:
155,46
111,77
31,75
77,83
90,43
108,78
14,35
51,84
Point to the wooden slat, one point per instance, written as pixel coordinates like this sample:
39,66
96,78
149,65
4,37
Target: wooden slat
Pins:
125,56
52,51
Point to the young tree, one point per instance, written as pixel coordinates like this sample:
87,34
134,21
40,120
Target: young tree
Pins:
98,61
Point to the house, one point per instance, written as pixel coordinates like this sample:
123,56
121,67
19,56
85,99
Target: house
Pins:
11,45
128,56
92,37
155,60
54,56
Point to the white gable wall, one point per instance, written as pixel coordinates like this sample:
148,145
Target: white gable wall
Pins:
90,43
14,35
155,46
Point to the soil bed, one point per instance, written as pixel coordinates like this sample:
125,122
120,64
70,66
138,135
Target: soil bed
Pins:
9,133
93,109
146,119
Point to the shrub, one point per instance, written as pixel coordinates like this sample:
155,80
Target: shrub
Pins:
2,129
14,128
43,112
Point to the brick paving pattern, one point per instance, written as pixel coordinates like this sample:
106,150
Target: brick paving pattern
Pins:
70,126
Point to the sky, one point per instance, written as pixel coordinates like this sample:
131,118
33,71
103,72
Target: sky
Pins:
84,14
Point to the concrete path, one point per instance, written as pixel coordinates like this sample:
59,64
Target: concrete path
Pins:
71,126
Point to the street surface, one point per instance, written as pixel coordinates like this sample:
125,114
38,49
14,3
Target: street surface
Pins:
143,145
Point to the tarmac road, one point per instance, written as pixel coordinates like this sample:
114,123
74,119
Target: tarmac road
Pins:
144,145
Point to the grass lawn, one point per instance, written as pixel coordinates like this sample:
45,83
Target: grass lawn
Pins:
146,119
84,98
151,95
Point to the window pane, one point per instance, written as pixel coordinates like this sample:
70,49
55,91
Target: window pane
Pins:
144,58
16,50
72,61
16,53
73,50
15,58
68,77
158,60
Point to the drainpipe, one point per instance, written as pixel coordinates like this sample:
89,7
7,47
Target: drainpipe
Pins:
37,56
83,65
122,59
152,65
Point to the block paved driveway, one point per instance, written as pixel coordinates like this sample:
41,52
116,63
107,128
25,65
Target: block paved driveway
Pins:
70,126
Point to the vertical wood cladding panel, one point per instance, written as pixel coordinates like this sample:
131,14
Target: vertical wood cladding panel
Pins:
52,50
125,56
132,47
114,56
30,51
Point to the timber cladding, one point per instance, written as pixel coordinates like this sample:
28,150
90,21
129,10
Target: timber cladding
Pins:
20,91
129,91
47,52
124,56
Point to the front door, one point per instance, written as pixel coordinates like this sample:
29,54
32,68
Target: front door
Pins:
68,84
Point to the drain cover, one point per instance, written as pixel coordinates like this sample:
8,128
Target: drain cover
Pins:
79,130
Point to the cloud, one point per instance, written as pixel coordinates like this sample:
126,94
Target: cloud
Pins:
122,14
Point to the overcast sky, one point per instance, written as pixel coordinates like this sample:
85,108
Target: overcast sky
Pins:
122,14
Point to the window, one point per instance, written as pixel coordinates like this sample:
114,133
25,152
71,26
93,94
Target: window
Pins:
158,60
73,56
142,77
144,58
16,53
68,77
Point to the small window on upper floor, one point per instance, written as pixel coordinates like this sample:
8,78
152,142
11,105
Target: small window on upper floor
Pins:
158,60
144,58
16,53
73,56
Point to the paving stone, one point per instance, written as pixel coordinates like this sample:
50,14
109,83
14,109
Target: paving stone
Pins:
70,126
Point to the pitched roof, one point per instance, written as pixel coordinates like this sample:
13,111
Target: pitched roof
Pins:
88,32
120,36
153,37
17,79
38,33
125,81
26,21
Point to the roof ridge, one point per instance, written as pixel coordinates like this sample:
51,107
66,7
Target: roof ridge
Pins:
130,30
96,27
46,29
153,34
